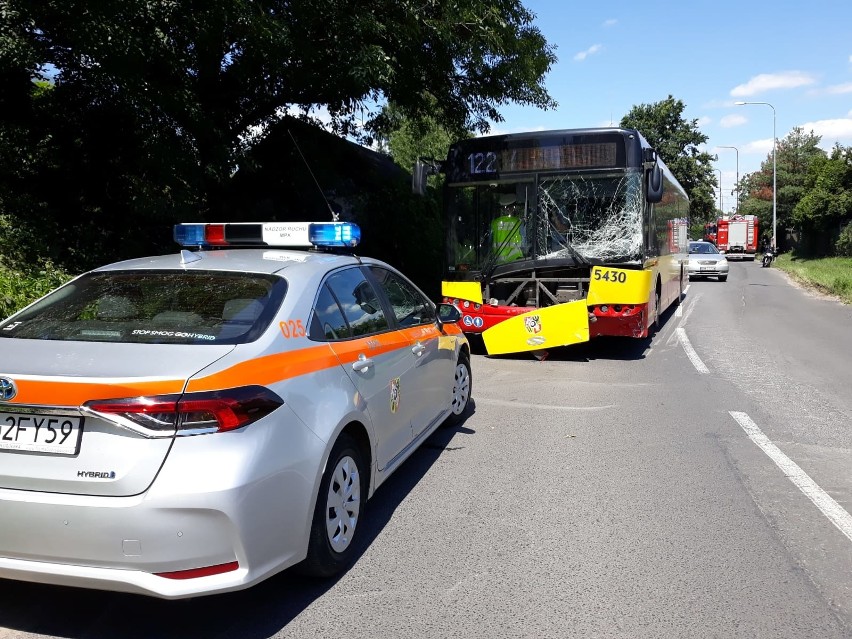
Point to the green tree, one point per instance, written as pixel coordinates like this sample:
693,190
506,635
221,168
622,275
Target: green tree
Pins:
827,201
796,152
677,141
412,138
156,102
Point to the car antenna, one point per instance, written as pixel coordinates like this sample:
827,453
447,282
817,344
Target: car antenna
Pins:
334,216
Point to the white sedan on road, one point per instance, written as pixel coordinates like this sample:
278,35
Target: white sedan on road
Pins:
705,260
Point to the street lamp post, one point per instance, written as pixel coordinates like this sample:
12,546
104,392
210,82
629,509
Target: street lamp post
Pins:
737,187
774,171
721,212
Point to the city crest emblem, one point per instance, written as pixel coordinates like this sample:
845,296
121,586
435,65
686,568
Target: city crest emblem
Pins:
533,324
394,394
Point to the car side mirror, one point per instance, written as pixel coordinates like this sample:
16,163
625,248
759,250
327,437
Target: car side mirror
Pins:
448,314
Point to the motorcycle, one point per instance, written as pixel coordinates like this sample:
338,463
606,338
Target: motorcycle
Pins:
768,256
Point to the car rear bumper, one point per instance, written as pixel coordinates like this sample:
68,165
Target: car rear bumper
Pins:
707,272
248,517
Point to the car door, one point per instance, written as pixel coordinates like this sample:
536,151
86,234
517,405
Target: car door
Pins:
377,358
414,314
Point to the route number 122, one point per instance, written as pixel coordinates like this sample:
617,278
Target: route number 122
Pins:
482,163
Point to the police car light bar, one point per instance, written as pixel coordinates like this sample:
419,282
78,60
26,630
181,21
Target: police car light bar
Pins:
283,234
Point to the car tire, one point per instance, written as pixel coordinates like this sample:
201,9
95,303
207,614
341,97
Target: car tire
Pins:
462,388
339,511
723,278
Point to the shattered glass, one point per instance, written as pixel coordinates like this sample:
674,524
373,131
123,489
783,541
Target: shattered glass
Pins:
582,217
597,217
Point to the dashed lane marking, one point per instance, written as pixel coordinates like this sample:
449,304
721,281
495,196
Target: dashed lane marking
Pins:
821,499
690,352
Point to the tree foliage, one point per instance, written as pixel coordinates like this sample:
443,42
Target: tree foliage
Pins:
677,141
827,199
155,103
796,154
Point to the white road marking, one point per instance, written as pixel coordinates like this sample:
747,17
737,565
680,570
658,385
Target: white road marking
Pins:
836,514
679,311
690,352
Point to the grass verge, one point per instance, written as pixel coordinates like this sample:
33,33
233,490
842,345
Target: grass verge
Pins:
831,275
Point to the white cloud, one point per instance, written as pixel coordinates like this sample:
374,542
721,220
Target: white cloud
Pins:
769,81
582,55
761,147
732,120
838,130
704,120
610,23
839,89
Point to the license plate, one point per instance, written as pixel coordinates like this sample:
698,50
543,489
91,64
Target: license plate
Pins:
707,268
47,434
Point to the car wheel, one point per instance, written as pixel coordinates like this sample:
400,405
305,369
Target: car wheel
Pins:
338,512
462,387
722,278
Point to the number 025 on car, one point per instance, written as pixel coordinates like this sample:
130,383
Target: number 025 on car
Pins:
46,434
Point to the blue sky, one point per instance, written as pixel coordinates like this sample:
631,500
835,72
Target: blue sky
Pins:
614,55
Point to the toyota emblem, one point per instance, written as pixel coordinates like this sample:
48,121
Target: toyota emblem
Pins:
7,389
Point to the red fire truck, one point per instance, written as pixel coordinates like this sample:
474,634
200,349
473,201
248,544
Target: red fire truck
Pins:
737,236
710,232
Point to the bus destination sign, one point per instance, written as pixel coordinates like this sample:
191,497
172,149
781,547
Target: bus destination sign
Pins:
541,158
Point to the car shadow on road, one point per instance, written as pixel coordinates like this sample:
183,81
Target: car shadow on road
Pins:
256,613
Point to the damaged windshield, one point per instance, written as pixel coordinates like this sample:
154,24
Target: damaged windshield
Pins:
582,217
598,217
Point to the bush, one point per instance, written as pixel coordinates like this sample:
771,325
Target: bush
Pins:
843,246
17,289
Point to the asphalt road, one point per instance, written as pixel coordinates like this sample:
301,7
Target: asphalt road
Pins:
618,489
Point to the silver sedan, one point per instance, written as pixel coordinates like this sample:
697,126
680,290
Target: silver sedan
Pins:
194,423
705,260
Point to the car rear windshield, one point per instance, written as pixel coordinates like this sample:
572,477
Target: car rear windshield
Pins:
700,248
176,307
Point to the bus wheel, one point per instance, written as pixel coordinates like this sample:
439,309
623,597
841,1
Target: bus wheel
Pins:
657,298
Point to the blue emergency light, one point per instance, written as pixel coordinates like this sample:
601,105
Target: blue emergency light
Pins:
280,234
334,234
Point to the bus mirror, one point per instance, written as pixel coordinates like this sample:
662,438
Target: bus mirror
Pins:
654,184
418,177
423,168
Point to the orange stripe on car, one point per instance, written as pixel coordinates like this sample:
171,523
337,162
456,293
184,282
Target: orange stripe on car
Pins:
280,366
262,370
268,369
60,393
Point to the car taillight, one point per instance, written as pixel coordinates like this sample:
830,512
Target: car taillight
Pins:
191,413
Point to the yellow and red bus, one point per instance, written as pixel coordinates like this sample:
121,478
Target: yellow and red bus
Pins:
556,237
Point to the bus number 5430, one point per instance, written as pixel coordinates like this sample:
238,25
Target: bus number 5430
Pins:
616,277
